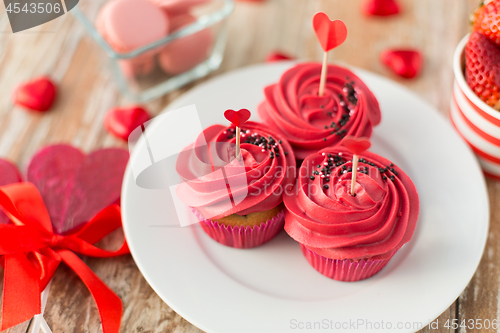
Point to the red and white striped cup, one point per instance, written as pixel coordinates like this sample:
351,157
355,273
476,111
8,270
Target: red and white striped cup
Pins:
477,122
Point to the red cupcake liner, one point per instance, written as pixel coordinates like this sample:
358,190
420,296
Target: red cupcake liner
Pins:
346,269
242,237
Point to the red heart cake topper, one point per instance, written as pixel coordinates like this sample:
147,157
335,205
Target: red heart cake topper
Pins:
405,63
37,95
237,118
330,33
356,145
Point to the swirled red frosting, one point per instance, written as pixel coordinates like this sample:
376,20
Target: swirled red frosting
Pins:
323,215
255,183
293,108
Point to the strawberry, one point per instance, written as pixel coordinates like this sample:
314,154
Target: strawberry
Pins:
487,21
482,68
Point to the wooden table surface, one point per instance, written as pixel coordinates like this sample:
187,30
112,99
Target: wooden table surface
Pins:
61,48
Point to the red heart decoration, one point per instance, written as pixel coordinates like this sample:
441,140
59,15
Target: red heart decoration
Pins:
36,95
356,145
9,174
330,33
278,56
381,7
405,63
122,121
74,186
237,118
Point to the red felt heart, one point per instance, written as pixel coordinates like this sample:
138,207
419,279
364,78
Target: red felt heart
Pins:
278,56
330,33
405,63
237,118
9,174
74,186
356,145
122,121
37,95
381,7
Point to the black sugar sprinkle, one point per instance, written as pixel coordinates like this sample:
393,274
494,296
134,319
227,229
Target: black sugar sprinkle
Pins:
326,187
311,178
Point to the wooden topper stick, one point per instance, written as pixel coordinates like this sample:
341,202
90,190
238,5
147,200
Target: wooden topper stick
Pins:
330,35
354,173
324,70
237,118
356,146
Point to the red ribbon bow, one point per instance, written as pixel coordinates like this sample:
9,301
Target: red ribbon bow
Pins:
30,252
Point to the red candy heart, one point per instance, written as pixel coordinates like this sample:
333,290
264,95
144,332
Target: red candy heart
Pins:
122,121
381,7
74,186
237,118
405,63
356,145
9,174
330,33
278,56
37,95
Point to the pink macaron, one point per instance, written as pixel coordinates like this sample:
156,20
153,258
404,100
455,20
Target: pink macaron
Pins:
177,7
130,24
185,53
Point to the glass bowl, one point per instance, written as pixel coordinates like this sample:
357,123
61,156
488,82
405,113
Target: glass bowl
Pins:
144,87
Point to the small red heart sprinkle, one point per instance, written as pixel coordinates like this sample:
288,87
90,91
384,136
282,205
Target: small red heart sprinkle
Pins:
356,145
381,7
122,121
405,63
330,33
36,95
278,56
237,118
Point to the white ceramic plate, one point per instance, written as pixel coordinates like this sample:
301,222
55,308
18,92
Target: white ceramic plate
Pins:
272,288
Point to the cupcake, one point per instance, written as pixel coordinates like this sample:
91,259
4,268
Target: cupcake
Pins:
309,122
350,237
239,201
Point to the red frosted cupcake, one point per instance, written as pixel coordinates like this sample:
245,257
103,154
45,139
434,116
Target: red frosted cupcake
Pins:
346,237
309,122
238,201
